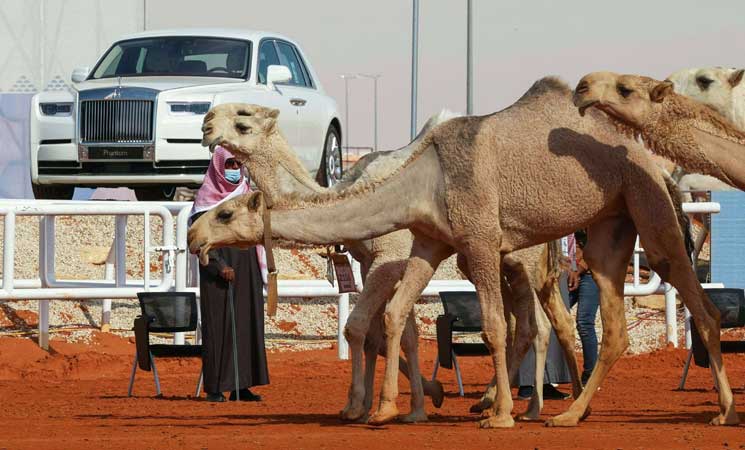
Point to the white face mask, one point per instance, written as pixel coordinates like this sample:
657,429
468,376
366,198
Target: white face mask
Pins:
233,175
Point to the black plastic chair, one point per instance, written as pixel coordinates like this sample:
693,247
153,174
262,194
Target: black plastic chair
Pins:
164,312
731,305
462,315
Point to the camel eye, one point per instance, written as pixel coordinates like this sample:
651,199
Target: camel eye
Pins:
243,128
225,215
243,112
623,91
704,82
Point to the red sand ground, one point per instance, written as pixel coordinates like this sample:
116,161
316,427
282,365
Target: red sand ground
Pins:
75,397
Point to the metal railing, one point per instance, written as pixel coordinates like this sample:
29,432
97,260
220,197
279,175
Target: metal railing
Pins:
178,268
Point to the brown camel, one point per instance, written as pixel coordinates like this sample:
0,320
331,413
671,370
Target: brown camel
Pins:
277,171
478,186
691,134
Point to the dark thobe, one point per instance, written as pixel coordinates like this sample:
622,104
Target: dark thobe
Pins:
557,370
217,337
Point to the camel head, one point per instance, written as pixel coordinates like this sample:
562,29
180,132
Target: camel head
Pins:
234,223
690,133
719,87
632,100
239,127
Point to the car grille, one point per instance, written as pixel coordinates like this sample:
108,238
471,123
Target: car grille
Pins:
116,121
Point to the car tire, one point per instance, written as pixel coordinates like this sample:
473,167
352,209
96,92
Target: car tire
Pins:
155,194
52,192
331,170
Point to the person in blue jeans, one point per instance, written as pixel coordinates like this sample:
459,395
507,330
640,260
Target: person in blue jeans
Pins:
584,293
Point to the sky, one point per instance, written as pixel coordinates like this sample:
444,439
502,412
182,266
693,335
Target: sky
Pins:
515,43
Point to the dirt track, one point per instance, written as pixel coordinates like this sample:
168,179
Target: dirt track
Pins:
75,397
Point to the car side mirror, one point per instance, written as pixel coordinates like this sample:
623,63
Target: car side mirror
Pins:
79,74
277,74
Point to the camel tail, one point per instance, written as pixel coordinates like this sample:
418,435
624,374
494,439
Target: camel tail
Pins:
683,221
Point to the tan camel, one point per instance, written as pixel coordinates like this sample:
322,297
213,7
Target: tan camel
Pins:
478,186
691,134
277,171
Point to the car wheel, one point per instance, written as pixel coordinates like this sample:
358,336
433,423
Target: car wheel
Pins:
52,192
330,171
155,194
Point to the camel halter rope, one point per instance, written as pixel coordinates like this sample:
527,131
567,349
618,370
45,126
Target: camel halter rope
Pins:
272,294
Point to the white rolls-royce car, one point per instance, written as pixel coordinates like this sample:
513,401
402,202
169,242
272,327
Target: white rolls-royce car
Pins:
135,119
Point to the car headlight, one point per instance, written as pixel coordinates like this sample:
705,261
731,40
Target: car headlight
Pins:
56,109
190,108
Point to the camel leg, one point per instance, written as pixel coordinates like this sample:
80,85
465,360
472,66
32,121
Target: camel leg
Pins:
410,347
674,268
486,277
608,264
430,388
383,277
667,255
426,255
519,298
540,345
563,324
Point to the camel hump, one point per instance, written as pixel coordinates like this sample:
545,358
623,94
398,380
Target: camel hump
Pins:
547,85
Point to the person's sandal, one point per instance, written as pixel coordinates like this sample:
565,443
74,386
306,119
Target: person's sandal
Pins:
551,393
525,392
246,396
216,397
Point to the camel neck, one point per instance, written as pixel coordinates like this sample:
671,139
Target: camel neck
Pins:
360,213
276,169
698,139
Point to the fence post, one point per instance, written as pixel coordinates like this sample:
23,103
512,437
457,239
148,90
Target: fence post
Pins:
671,315
109,275
46,260
9,251
342,322
687,315
44,324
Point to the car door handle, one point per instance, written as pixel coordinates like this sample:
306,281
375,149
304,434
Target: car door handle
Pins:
297,101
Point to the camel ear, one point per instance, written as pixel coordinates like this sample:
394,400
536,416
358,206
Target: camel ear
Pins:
661,91
270,125
736,77
273,113
255,201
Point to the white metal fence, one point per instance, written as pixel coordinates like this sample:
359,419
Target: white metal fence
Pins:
178,267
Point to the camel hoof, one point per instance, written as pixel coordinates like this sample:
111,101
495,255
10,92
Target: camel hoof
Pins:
497,422
481,406
562,420
728,420
386,412
437,394
415,417
353,413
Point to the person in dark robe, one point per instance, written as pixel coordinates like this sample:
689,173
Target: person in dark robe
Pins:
243,269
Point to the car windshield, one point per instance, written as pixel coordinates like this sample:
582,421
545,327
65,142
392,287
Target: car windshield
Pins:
176,56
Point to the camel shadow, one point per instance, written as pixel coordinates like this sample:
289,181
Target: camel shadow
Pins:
658,417
251,420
